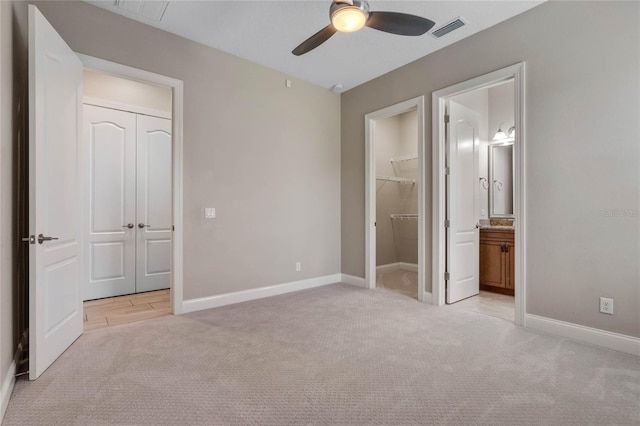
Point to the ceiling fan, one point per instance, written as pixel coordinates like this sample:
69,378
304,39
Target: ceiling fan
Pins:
351,15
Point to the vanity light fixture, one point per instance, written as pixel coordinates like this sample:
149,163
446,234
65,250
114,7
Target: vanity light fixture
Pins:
501,135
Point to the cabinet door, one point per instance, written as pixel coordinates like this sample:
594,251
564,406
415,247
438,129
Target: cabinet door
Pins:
510,265
492,265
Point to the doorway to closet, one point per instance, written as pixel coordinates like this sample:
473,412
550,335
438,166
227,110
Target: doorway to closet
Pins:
127,161
397,204
394,249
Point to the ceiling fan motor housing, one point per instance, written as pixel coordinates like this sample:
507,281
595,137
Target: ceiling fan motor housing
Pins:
363,5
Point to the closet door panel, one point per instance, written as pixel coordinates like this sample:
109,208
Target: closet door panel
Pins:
110,143
154,171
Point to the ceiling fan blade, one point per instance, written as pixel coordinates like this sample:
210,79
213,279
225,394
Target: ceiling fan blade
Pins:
399,23
315,40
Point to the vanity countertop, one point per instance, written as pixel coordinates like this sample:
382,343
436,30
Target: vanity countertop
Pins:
497,227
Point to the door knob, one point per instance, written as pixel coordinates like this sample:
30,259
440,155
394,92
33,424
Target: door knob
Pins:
42,238
477,226
142,225
130,225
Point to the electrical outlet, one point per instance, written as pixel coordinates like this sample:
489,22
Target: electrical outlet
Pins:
298,266
606,305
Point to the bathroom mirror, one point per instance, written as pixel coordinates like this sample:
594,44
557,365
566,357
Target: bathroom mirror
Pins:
501,180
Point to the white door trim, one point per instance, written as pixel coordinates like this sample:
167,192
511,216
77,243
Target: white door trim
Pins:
517,73
370,189
177,123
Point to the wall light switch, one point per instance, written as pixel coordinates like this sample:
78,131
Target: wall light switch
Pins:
209,213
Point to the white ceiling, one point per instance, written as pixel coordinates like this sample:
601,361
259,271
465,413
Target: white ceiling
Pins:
266,31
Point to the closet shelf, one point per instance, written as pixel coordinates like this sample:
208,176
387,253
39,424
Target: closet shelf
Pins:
403,158
405,181
404,216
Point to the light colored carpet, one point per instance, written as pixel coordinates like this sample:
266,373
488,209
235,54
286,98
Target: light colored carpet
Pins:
399,281
332,355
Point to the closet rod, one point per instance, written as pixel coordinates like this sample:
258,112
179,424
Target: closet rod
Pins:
404,216
402,158
405,181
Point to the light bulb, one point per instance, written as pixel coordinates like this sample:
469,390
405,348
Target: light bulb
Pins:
348,19
500,135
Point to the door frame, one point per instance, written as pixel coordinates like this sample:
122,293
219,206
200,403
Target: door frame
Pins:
370,119
176,86
439,98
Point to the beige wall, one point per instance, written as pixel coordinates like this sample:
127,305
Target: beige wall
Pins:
13,196
582,109
121,90
5,99
501,112
396,241
7,344
501,107
266,157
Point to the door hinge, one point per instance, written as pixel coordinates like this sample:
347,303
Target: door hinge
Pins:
446,118
375,223
173,228
447,223
447,276
447,171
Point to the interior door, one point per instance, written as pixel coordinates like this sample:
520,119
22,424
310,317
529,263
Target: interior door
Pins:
462,203
110,209
153,260
55,126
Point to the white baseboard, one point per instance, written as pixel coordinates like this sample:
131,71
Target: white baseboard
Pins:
353,280
390,267
209,302
427,297
608,339
6,389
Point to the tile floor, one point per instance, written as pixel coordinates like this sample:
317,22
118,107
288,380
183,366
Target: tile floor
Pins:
487,303
111,311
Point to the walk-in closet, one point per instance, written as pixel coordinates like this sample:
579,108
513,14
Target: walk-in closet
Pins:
396,156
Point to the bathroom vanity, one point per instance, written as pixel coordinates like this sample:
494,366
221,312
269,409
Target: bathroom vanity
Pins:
497,259
497,243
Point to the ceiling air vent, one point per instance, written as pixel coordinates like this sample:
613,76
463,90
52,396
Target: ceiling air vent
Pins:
153,10
451,26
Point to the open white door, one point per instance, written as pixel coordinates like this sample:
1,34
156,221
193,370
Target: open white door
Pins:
55,221
153,260
462,203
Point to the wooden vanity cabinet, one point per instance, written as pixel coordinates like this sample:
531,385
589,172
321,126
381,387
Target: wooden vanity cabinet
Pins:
497,260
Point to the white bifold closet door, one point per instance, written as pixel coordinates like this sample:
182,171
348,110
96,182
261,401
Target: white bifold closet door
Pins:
110,155
128,202
154,226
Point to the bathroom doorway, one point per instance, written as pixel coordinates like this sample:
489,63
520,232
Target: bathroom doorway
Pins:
478,195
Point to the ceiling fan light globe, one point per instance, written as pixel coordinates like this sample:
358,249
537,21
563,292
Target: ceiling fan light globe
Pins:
348,19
